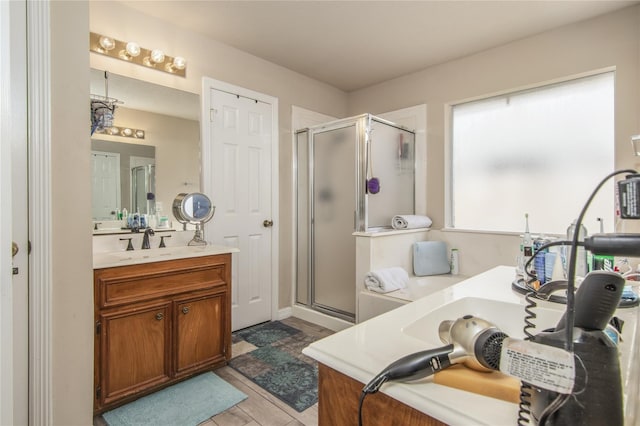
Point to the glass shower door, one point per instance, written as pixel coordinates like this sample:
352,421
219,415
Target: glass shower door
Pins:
143,189
334,172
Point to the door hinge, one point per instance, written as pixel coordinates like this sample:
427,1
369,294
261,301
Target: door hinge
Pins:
212,114
98,392
98,327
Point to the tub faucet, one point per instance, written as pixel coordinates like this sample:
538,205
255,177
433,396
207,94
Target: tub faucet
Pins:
145,240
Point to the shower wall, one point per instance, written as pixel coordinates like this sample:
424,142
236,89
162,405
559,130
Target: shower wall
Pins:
333,162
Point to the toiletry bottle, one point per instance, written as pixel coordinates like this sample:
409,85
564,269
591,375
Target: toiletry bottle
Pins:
526,247
455,262
601,261
539,261
581,258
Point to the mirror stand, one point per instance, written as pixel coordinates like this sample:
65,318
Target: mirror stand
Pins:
196,209
197,239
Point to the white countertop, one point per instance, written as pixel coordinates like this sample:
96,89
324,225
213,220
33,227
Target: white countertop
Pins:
124,258
125,231
365,349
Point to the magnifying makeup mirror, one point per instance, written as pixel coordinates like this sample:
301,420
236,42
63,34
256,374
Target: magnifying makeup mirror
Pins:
196,209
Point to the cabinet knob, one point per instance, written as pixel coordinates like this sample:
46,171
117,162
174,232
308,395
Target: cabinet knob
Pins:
185,310
159,316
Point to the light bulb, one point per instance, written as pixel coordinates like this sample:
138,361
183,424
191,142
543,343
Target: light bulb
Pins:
157,56
133,49
127,132
179,63
140,134
107,43
114,130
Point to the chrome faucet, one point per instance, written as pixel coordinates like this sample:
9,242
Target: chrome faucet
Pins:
145,240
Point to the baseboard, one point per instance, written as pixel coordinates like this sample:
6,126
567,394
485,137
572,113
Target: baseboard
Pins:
284,313
324,320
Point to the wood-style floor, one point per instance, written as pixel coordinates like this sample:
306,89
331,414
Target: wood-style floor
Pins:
260,408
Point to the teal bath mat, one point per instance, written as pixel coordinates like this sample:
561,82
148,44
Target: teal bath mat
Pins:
278,365
186,403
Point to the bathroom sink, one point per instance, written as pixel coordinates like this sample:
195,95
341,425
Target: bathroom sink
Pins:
508,317
125,256
122,258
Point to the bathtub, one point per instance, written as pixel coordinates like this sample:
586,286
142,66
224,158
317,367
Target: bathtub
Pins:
372,304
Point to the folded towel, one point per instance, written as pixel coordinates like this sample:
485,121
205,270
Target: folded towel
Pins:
410,221
386,280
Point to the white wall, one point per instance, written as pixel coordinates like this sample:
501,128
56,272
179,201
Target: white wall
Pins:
72,300
606,41
209,58
610,40
72,276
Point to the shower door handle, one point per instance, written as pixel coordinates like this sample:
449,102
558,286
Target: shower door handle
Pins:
267,223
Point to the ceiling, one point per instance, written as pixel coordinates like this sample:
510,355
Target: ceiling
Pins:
354,44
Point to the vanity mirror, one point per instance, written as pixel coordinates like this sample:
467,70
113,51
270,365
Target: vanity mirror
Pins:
123,177
195,209
165,162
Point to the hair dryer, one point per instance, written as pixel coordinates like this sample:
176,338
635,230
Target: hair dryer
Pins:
471,341
597,398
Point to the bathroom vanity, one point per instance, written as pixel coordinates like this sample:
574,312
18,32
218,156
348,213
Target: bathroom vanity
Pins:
351,358
160,316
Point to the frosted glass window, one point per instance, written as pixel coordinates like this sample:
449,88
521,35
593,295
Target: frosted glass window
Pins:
539,151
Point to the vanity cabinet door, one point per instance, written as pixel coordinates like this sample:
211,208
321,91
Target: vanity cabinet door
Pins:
200,325
135,350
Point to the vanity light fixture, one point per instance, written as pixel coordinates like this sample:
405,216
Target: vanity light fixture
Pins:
132,52
635,142
125,132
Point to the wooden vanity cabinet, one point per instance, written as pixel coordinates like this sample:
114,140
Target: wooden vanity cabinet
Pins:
197,342
158,323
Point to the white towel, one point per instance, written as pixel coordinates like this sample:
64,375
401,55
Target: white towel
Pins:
386,280
410,221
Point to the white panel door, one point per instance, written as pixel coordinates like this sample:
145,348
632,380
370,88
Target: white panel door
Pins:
241,142
14,270
105,184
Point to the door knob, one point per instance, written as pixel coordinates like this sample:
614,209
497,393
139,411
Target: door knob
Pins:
267,223
14,249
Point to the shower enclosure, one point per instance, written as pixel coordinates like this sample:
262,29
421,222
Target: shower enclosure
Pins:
143,189
337,166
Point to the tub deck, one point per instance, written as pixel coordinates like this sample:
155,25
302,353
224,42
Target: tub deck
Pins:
372,304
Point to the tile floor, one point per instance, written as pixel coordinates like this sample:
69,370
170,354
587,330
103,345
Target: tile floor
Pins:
260,408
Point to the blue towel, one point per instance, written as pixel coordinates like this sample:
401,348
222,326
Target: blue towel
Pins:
430,258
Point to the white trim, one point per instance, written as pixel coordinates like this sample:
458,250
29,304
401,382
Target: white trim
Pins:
315,317
40,270
6,293
448,169
284,313
533,86
206,175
